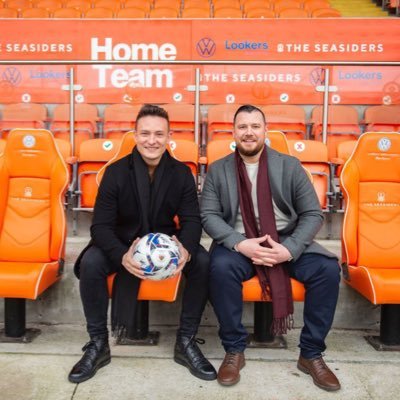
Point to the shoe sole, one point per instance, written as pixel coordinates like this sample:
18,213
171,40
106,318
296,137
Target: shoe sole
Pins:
194,373
101,364
307,372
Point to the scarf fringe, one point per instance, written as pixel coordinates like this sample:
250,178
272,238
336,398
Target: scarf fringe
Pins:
280,326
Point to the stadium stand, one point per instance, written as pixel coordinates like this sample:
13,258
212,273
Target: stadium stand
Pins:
280,5
85,122
131,12
292,13
382,118
228,12
220,121
32,231
164,12
8,13
22,115
260,13
67,13
343,125
142,4
81,5
119,119
371,256
49,5
181,120
195,12
35,13
99,13
325,13
290,119
314,157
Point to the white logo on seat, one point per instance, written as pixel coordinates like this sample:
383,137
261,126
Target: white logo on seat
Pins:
28,192
172,145
381,197
108,145
29,141
384,144
232,146
299,146
267,141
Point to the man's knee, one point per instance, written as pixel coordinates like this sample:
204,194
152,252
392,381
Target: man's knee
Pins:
330,270
94,264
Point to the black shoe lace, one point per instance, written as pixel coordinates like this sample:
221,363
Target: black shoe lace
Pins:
197,355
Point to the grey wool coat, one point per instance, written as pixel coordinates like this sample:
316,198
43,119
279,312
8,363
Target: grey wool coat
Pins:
291,190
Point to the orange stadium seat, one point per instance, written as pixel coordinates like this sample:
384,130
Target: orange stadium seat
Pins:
342,126
187,152
164,12
35,13
19,4
49,5
2,146
326,13
344,151
292,13
382,118
175,4
220,121
248,5
81,5
226,3
22,115
114,5
93,155
181,120
196,4
280,5
99,12
314,157
67,13
119,119
228,12
311,5
8,13
142,4
33,181
260,13
165,290
196,12
85,124
131,12
290,119
371,229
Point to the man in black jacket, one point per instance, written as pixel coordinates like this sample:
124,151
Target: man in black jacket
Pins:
142,193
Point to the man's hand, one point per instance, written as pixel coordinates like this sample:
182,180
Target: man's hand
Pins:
261,255
130,264
184,256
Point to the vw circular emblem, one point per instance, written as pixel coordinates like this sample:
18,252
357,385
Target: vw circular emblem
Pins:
12,75
232,146
317,76
206,47
29,141
384,144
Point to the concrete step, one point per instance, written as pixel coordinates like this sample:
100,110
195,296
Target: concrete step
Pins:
61,303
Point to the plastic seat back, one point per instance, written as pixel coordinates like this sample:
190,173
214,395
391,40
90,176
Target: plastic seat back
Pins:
220,121
313,156
22,115
382,118
371,183
181,120
33,178
119,119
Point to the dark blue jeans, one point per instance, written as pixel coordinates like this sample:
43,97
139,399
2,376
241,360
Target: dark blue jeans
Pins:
319,274
95,268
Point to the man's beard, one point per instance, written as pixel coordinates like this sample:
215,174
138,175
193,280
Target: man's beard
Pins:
249,153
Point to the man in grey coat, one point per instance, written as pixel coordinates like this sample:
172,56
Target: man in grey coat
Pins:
262,211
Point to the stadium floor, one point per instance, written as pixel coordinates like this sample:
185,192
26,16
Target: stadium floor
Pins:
38,371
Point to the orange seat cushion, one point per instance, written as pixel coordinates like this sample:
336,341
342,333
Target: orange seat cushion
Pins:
252,290
27,280
165,290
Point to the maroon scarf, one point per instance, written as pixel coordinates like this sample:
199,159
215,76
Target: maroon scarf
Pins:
274,281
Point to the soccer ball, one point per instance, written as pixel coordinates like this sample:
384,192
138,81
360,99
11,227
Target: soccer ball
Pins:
157,255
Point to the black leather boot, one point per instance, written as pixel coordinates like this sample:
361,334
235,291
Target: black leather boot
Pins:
188,354
97,355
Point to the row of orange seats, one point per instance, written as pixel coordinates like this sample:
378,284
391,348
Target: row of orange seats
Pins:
166,9
343,121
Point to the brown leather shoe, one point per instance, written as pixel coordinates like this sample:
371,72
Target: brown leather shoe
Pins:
322,376
228,373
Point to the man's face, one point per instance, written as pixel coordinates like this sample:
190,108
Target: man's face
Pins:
249,133
152,137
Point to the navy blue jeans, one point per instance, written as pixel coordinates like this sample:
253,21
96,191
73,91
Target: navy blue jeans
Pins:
319,274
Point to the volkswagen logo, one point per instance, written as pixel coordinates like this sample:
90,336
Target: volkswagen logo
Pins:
206,47
384,144
317,76
12,75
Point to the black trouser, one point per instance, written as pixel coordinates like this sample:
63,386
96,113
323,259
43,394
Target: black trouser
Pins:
95,268
319,274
